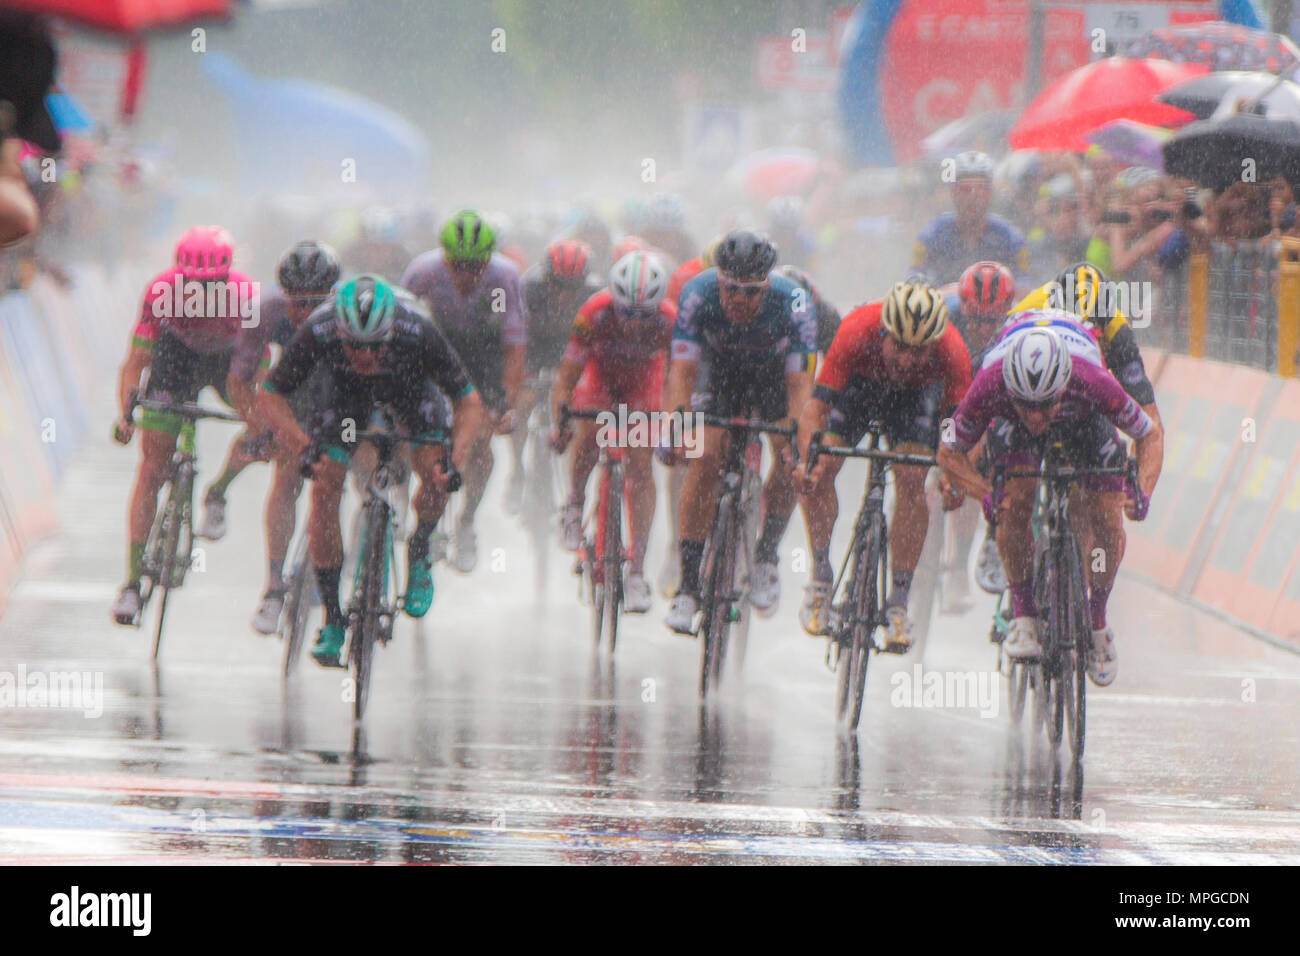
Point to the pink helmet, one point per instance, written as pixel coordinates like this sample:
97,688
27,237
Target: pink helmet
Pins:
205,252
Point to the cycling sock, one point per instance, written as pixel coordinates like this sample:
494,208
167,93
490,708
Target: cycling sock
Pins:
770,539
327,584
902,584
1022,600
692,553
635,557
135,564
823,570
418,547
275,575
1097,607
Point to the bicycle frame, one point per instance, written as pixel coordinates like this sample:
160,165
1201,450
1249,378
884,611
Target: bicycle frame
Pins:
1058,675
862,590
374,605
166,561
724,590
601,558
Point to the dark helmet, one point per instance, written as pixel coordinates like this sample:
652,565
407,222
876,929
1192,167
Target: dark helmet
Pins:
745,255
308,267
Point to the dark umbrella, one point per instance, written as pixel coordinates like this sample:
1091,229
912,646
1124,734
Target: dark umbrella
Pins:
1215,152
1201,95
1220,46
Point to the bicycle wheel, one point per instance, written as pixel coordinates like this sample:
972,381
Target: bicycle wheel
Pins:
1077,663
613,552
297,607
717,610
1017,691
745,561
169,576
539,500
365,632
864,595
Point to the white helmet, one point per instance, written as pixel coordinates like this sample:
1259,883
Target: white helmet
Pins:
638,282
973,163
1037,366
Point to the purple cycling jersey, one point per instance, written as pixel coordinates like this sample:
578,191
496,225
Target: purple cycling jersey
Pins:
1092,389
495,302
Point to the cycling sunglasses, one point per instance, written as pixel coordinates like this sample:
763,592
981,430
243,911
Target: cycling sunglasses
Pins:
750,290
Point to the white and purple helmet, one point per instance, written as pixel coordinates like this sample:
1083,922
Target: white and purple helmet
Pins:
1037,366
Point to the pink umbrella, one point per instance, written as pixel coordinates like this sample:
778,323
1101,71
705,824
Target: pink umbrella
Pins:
776,172
1096,94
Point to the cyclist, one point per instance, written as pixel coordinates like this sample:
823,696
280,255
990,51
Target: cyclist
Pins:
378,250
738,324
970,233
899,362
184,352
554,290
1046,380
664,228
374,346
689,269
1083,291
789,230
476,300
618,346
984,294
307,273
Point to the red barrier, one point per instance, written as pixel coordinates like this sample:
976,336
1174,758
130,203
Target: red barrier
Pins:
1253,567
1202,405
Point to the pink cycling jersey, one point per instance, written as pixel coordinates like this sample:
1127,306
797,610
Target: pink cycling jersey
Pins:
205,316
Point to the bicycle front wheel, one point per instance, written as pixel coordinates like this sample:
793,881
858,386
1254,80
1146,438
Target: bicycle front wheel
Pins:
717,607
365,632
297,608
864,597
170,575
1077,664
613,554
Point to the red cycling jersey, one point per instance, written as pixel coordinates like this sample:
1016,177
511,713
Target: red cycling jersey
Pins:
206,316
685,272
622,348
855,354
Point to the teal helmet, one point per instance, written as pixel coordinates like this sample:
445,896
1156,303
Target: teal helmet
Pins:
468,238
365,309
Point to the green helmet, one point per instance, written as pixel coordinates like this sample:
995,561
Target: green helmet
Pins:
365,309
468,238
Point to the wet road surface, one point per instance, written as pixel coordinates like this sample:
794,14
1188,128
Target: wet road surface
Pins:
496,734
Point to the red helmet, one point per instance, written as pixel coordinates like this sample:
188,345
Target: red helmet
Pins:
567,259
986,289
205,252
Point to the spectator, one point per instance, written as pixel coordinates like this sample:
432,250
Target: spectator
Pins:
27,67
1059,237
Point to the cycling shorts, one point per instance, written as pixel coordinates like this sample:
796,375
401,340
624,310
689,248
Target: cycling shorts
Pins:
907,415
1091,442
640,389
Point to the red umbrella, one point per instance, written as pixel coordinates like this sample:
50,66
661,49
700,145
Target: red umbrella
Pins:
776,172
126,16
1096,94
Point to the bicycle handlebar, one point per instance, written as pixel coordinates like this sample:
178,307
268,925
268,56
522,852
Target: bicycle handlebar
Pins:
436,437
190,411
816,449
